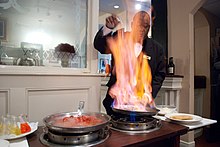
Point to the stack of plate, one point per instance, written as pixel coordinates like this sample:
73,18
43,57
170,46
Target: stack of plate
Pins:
166,109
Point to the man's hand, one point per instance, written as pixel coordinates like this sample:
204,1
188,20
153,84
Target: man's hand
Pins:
112,22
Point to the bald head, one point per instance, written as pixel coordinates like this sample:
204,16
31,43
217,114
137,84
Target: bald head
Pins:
142,16
140,25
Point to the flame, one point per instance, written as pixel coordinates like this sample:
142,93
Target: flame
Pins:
132,90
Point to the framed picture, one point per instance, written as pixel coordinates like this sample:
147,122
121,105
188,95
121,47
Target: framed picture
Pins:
102,63
2,29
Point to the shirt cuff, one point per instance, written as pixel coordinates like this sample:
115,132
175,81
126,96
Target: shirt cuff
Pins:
106,30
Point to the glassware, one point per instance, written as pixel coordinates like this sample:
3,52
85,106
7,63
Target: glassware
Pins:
4,123
1,125
13,125
14,128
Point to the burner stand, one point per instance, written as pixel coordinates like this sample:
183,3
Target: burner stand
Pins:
51,138
138,125
45,140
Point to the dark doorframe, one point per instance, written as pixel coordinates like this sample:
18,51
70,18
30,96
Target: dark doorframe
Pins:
159,28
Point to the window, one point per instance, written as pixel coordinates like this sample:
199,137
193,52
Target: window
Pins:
45,23
2,29
125,10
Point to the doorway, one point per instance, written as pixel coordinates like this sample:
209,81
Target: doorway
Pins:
207,62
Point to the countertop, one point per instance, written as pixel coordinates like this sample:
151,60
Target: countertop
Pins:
46,71
175,76
169,133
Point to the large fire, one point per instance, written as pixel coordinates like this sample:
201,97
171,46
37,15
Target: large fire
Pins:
132,90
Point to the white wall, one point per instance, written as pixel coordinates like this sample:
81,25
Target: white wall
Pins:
42,95
202,56
181,47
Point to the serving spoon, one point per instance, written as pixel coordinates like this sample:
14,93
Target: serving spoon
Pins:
81,107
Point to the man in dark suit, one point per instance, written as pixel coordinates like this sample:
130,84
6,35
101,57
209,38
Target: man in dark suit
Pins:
142,45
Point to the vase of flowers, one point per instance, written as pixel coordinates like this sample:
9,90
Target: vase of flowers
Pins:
65,52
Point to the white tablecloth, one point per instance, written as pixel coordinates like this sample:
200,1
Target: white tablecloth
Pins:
21,142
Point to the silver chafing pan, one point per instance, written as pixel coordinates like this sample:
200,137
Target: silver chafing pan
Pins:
49,122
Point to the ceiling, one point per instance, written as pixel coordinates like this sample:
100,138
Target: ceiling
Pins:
106,6
42,10
213,6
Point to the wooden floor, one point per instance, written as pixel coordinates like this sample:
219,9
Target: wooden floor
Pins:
202,142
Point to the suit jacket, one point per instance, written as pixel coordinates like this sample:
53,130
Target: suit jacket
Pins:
150,48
